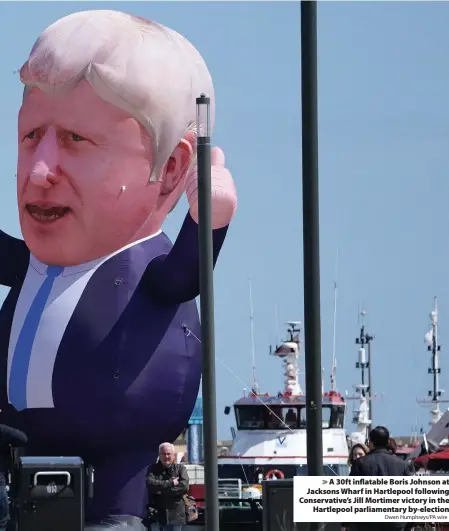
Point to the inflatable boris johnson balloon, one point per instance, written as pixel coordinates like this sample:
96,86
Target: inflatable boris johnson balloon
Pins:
98,356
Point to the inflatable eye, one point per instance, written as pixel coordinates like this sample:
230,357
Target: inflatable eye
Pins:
76,138
33,135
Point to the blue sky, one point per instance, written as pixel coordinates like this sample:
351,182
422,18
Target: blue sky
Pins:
384,169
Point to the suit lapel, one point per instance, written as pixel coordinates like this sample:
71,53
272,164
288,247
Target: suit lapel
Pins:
99,309
6,318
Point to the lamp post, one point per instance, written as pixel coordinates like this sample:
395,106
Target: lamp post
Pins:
207,312
310,201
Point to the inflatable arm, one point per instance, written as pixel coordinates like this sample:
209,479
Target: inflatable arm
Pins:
174,278
14,259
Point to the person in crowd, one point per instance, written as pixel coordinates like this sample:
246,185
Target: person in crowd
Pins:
258,475
291,419
392,446
275,421
168,483
357,451
9,438
380,461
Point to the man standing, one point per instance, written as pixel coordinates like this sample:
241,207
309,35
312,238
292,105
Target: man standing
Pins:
168,482
9,438
379,462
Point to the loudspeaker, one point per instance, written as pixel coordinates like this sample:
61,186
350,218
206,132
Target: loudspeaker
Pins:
49,494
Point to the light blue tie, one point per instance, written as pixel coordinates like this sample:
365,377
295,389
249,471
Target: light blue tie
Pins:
22,353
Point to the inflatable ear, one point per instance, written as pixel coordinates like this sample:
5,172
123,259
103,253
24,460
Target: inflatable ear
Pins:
177,167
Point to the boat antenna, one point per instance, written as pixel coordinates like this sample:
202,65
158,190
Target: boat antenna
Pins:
362,417
276,322
255,388
434,348
361,340
334,337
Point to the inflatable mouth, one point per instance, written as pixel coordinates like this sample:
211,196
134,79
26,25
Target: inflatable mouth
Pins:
47,213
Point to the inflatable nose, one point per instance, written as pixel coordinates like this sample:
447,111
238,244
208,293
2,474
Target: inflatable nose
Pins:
45,160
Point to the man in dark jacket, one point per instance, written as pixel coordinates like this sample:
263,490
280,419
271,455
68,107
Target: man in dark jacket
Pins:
167,482
379,462
9,438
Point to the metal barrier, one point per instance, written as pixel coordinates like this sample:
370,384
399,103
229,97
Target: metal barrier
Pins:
229,488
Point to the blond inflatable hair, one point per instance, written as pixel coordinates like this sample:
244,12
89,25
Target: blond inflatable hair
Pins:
144,68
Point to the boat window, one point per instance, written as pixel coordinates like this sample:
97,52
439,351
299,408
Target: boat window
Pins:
326,419
283,418
291,417
337,417
302,418
333,417
250,417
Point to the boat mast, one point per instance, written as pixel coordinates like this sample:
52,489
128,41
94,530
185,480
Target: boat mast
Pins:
431,339
255,388
362,417
334,337
288,351
276,323
362,362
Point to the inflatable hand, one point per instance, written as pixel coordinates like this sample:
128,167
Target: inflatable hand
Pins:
224,195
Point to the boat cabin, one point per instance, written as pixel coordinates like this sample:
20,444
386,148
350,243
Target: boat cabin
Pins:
285,413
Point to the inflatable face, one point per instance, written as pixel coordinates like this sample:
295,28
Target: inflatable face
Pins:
83,115
83,177
99,333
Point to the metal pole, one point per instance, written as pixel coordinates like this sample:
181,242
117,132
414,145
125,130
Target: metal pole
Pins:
370,388
310,200
207,312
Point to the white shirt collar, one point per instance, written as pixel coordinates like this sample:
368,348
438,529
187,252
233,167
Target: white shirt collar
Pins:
41,268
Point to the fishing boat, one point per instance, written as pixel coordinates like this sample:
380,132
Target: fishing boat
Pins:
269,442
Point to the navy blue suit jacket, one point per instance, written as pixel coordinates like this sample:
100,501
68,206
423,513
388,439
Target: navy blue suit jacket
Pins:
128,360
